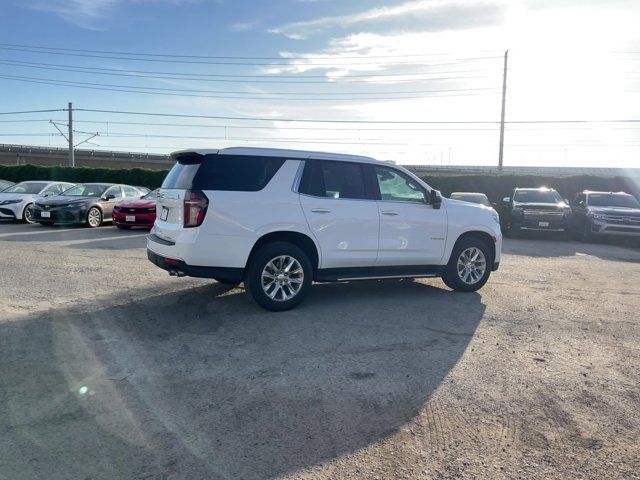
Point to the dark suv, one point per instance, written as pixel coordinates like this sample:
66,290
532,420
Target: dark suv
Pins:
605,213
535,209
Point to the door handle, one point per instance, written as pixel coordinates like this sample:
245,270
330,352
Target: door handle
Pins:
390,213
320,210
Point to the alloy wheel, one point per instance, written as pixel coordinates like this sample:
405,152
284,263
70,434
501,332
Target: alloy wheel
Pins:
93,218
471,265
28,214
282,278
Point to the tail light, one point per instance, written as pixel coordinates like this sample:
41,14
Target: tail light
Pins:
195,208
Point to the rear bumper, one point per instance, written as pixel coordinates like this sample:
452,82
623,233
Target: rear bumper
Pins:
179,267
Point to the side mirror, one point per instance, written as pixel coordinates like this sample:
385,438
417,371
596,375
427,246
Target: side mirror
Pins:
109,197
581,203
506,200
435,199
494,204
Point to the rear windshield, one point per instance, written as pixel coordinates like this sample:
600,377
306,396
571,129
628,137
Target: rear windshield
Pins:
612,200
537,196
239,173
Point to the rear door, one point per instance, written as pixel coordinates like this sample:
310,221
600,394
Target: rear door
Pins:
340,212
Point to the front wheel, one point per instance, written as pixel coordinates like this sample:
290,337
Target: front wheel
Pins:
470,265
94,217
27,214
279,276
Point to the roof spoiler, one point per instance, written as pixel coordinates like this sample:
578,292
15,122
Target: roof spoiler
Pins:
188,157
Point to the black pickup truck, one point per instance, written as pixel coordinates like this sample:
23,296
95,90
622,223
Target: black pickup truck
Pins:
535,209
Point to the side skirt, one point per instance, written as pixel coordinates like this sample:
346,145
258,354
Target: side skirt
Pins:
376,273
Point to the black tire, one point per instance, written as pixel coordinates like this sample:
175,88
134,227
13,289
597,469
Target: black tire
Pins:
99,219
27,214
259,262
452,278
586,235
123,227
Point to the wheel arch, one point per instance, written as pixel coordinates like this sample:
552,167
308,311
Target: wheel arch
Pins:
301,240
485,237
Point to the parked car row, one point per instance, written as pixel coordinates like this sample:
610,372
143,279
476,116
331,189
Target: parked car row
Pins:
93,204
590,214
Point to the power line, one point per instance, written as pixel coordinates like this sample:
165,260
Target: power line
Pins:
284,56
34,111
134,89
325,141
402,122
232,92
226,78
262,127
243,63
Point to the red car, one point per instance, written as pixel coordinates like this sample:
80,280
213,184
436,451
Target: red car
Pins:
136,212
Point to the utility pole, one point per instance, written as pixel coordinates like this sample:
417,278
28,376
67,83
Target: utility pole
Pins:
504,100
72,160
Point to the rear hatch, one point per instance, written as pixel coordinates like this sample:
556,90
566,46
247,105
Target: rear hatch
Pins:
177,186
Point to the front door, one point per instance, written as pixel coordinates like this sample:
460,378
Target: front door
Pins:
412,232
107,206
340,213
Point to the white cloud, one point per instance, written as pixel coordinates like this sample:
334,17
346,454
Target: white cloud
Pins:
89,14
83,13
300,30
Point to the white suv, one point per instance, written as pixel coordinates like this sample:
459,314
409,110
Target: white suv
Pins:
280,219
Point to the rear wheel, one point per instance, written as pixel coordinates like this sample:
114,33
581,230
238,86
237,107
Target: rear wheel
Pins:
94,217
27,214
279,276
470,265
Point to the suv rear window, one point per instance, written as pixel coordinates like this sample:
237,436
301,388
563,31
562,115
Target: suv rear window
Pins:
240,173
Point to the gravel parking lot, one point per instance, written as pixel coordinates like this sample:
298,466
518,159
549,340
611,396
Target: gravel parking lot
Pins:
109,369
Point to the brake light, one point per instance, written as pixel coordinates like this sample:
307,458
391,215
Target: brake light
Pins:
195,208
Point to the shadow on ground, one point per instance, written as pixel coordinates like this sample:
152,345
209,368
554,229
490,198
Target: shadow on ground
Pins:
200,383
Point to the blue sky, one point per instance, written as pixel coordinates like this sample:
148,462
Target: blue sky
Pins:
411,60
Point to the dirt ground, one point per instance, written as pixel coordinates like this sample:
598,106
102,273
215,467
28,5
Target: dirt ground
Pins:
111,369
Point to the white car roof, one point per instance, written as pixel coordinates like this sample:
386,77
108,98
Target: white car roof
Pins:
282,152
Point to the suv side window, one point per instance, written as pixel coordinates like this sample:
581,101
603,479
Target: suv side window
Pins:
238,173
396,187
130,192
334,179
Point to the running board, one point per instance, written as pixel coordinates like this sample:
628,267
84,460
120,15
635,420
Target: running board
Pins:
377,273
